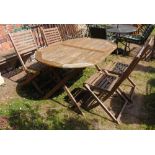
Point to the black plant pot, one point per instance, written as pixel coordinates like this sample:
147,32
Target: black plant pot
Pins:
96,32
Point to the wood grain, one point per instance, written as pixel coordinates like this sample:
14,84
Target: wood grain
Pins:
85,52
51,35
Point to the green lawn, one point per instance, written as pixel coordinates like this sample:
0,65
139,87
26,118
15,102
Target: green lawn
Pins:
29,113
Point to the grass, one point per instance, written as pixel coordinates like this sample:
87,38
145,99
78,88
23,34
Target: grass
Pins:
29,113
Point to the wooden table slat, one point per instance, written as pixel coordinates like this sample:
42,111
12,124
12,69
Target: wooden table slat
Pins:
76,53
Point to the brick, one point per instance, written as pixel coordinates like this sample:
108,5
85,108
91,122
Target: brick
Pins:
5,46
10,27
18,25
1,36
1,48
10,44
2,32
3,40
2,26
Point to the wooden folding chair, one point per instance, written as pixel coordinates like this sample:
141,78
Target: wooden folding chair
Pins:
24,45
103,85
119,67
51,35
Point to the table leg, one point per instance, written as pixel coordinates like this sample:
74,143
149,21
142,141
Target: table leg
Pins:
62,84
72,98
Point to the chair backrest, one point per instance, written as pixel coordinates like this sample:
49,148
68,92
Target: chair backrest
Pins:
131,67
147,31
23,42
151,44
51,35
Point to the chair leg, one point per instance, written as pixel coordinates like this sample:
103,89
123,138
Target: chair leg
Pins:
128,98
126,102
127,46
101,104
133,84
132,89
122,95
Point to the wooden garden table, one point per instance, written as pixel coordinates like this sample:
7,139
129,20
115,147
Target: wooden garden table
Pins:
74,54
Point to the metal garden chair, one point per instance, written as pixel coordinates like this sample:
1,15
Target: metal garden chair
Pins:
139,38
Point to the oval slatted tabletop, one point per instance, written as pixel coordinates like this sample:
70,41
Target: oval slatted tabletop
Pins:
75,53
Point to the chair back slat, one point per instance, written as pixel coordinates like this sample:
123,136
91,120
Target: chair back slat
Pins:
147,31
51,35
131,67
23,42
150,50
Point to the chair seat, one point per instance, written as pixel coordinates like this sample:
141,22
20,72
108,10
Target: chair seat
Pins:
119,68
102,81
134,37
138,39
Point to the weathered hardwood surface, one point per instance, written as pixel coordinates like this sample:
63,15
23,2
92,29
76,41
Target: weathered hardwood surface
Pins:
76,53
23,41
52,35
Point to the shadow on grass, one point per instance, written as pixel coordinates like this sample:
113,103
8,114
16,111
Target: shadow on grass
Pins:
142,111
150,104
145,69
30,92
86,102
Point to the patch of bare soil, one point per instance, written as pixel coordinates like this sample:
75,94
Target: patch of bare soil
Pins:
8,91
4,123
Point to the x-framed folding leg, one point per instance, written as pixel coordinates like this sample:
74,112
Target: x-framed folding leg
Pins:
61,83
101,103
116,119
122,94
